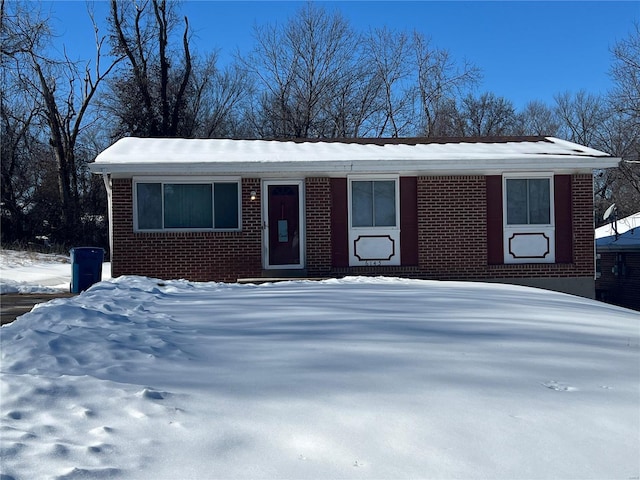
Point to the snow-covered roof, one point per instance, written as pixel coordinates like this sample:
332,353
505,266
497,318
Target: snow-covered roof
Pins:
130,156
622,225
628,237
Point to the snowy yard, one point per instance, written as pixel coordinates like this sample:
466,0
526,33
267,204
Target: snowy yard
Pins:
32,272
353,378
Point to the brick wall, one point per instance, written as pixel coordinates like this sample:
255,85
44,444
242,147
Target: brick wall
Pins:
452,237
583,225
582,264
197,256
452,226
318,226
452,234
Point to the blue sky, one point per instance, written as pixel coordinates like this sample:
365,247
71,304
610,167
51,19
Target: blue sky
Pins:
526,50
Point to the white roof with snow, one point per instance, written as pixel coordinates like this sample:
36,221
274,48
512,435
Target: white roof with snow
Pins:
130,156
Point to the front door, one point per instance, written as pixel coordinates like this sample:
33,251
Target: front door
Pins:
283,233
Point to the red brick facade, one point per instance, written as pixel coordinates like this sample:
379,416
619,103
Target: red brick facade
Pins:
582,238
451,235
452,227
198,256
318,226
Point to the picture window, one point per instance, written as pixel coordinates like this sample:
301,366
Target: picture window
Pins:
187,206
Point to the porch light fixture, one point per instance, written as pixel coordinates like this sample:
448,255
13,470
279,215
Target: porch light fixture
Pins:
253,195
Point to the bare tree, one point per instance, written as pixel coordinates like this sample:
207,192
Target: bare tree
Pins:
486,115
316,77
387,55
620,185
440,82
216,98
625,73
20,152
597,122
149,96
63,90
537,119
353,109
581,117
625,105
299,69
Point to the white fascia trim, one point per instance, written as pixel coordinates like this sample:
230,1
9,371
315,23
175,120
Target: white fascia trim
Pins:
557,164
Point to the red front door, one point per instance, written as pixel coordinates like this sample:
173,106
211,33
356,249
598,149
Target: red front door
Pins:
283,225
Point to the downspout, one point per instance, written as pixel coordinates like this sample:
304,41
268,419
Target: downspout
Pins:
107,185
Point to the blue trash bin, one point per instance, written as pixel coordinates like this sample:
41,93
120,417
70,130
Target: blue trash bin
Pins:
86,267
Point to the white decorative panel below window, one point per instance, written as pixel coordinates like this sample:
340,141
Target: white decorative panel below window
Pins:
529,246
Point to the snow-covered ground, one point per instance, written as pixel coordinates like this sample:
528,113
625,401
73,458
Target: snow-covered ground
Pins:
355,378
32,272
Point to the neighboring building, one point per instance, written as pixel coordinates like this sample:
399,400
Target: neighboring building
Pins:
618,260
514,209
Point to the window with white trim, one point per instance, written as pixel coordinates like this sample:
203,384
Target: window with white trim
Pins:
187,205
529,218
374,220
528,201
373,203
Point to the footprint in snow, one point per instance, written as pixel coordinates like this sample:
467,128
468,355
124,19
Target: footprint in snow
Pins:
559,387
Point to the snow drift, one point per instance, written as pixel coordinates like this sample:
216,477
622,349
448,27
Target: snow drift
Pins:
353,378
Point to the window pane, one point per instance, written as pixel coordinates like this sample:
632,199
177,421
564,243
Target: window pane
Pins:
385,203
362,204
225,204
516,201
149,197
539,201
188,206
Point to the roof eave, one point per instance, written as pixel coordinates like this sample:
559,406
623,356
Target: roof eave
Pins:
558,164
618,248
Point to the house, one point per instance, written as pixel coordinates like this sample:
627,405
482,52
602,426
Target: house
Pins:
618,261
509,209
